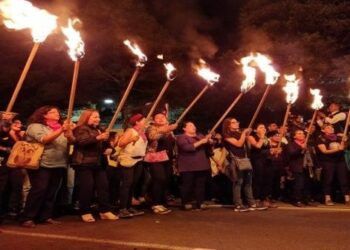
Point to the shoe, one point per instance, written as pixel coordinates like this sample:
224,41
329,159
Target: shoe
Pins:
187,207
52,221
108,216
254,207
124,214
329,203
160,209
28,224
311,204
87,218
135,212
135,202
241,208
142,199
299,204
347,203
269,204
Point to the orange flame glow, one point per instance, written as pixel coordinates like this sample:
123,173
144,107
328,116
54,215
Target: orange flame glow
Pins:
171,71
20,14
264,63
291,88
249,72
74,42
208,75
317,104
137,51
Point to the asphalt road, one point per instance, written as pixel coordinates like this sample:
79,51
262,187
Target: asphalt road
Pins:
286,227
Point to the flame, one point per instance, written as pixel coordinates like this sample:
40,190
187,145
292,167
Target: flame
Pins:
210,76
20,14
137,51
291,88
74,41
171,71
264,63
317,104
249,72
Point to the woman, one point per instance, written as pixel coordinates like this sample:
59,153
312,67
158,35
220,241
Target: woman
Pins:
296,154
235,145
45,127
193,164
263,170
133,144
159,157
88,156
331,156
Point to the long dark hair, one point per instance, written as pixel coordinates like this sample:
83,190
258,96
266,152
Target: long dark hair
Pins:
226,131
38,115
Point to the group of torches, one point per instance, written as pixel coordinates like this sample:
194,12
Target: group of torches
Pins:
21,14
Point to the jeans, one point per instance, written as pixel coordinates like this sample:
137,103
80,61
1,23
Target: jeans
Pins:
243,178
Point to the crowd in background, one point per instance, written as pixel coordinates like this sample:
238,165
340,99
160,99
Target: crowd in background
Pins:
113,175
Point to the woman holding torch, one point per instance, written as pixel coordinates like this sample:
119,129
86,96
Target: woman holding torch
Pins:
331,154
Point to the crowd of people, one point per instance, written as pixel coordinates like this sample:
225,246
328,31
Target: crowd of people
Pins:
113,175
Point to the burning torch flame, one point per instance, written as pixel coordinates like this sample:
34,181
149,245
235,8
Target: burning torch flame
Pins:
20,14
74,41
291,88
171,71
208,75
317,104
249,72
137,51
271,75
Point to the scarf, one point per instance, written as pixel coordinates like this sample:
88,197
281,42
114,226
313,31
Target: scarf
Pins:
299,142
54,125
141,132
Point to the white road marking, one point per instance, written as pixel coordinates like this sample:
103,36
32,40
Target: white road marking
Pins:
102,241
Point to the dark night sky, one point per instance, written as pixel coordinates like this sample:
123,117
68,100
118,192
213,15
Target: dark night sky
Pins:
182,30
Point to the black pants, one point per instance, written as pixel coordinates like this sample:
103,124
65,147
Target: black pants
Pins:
114,179
129,178
332,169
301,187
3,183
193,186
263,175
40,202
91,180
15,186
159,182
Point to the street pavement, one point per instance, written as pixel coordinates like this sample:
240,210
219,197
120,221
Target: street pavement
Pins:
286,227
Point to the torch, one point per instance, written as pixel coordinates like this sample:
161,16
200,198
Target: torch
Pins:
76,52
211,77
22,14
291,89
247,84
271,77
171,75
142,59
316,105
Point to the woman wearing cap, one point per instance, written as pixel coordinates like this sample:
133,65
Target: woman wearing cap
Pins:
133,144
45,127
159,157
90,149
331,155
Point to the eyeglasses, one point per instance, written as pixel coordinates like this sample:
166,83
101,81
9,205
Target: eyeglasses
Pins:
234,121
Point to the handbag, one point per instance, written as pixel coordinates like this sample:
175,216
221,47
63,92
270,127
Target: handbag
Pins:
25,155
242,164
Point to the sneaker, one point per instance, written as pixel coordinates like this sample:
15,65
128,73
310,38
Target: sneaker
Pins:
241,208
269,204
135,202
124,214
187,207
329,203
28,224
136,212
160,209
299,204
259,207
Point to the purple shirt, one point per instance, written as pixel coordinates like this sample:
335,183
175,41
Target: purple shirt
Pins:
189,157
